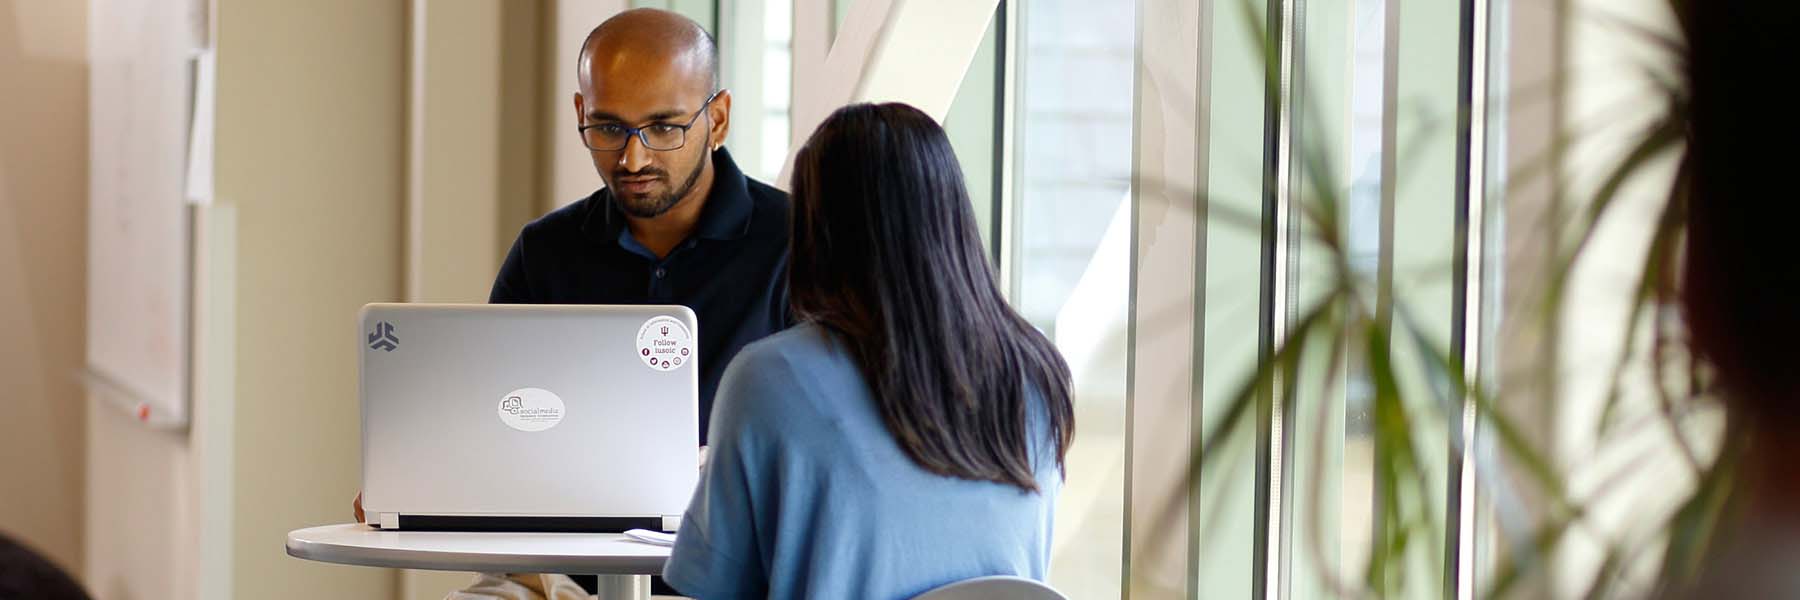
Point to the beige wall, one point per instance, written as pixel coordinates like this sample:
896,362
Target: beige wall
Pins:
311,152
43,258
306,228
473,116
142,483
315,215
568,168
472,142
140,510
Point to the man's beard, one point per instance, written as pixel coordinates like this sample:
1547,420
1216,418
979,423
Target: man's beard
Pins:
653,206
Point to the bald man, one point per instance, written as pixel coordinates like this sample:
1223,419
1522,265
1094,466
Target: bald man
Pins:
677,222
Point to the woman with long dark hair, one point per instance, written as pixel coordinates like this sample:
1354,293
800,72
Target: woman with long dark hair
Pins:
910,432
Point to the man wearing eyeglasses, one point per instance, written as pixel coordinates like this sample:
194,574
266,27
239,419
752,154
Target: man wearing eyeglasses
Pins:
677,222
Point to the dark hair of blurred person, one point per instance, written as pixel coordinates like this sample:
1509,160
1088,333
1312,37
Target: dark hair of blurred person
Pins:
1740,280
27,575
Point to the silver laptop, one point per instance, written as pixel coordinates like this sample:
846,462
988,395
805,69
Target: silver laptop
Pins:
528,417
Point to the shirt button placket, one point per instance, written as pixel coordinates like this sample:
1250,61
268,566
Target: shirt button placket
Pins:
659,284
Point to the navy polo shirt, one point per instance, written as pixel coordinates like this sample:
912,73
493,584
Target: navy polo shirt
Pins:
732,271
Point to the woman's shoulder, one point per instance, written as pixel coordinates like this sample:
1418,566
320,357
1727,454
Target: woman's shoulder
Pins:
806,347
794,362
786,385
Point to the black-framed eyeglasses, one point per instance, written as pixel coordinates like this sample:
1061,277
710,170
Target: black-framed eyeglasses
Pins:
612,137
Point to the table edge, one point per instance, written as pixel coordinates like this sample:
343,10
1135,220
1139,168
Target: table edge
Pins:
364,556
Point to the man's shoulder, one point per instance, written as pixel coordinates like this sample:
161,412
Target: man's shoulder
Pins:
767,198
764,193
769,217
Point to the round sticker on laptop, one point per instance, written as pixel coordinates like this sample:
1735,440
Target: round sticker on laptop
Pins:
665,344
531,409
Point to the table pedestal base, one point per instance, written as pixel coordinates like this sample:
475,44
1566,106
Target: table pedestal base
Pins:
623,587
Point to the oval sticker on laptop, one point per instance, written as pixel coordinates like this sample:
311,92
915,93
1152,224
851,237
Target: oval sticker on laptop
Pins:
531,409
665,344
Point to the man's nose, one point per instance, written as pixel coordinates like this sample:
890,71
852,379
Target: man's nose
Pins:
634,157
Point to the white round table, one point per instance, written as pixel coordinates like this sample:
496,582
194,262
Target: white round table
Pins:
624,566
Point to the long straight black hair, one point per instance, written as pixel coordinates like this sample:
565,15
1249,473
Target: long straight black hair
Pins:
885,253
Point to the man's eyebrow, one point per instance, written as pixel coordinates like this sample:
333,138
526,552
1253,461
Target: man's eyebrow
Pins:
656,116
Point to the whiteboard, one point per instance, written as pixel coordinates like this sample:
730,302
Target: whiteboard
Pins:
139,257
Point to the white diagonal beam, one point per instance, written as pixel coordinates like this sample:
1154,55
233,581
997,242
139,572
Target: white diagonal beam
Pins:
912,51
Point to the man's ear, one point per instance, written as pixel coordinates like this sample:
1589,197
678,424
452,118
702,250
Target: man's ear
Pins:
580,109
720,111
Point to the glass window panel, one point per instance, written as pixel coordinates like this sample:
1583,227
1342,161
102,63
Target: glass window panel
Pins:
1317,511
1231,297
1072,149
971,127
1372,92
839,8
756,59
1424,221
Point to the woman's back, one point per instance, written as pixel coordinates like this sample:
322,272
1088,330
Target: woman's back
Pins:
809,495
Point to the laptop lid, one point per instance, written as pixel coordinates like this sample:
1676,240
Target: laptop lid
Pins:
528,417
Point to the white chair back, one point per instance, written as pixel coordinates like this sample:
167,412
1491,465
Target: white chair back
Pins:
993,588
